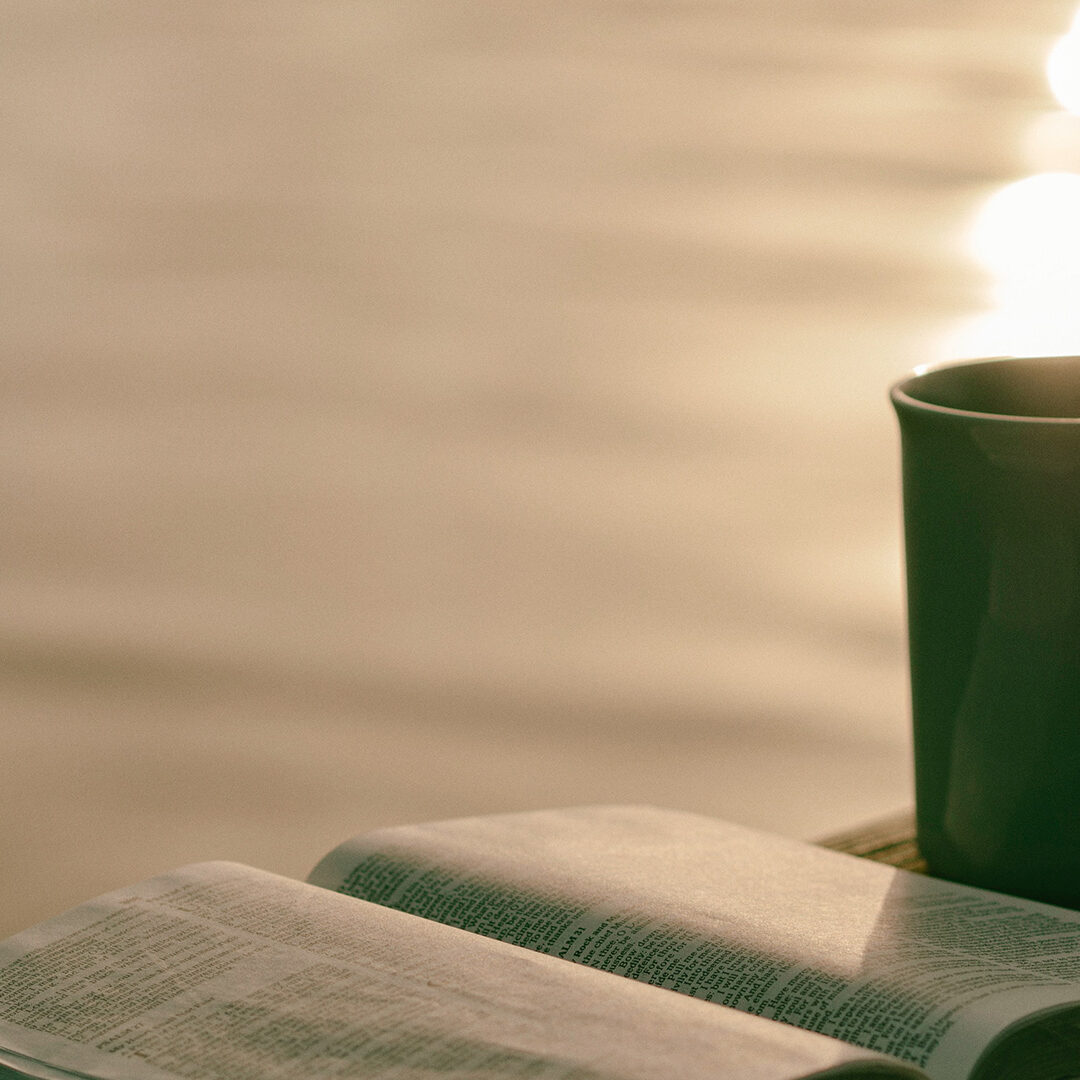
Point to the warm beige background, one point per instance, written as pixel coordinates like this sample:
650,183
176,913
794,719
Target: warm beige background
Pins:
415,409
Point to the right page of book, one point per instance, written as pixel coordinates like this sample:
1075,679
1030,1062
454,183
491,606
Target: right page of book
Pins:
928,971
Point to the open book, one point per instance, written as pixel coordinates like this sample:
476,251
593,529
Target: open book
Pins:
591,943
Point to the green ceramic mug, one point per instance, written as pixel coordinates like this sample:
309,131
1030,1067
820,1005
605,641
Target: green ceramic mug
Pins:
991,482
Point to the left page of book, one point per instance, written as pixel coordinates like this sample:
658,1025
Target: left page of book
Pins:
221,972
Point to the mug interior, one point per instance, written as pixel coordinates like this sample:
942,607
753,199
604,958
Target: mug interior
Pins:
1045,387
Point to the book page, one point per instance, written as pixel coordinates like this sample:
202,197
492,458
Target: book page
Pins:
221,972
1045,1048
918,968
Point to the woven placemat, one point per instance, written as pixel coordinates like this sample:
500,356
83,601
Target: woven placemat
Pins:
889,840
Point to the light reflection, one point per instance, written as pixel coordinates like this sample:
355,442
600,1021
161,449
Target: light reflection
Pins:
1027,236
1027,232
1063,69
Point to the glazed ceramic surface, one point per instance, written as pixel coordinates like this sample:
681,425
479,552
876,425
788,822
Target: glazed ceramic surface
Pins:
991,478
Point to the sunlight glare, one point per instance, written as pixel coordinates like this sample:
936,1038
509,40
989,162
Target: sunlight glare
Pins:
1063,69
1027,235
1029,229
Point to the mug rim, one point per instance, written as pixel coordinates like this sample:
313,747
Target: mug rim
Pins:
901,398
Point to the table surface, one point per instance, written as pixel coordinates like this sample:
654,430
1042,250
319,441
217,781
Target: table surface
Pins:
416,410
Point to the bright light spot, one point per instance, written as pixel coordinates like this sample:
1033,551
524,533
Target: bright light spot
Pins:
1030,229
1027,236
1063,69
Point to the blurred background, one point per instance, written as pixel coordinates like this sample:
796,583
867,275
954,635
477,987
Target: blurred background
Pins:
417,409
